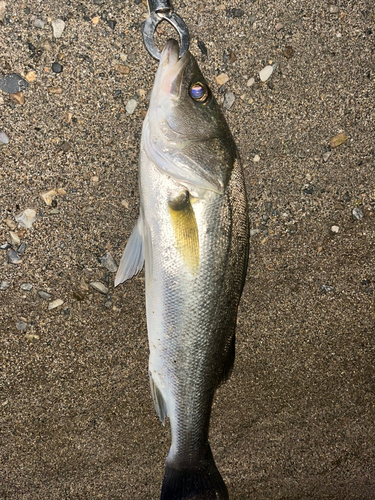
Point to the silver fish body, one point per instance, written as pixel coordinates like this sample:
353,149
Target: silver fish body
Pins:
193,236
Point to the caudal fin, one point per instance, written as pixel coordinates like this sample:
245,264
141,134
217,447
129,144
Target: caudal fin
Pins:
201,482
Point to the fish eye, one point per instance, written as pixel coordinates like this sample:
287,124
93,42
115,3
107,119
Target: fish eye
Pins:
199,92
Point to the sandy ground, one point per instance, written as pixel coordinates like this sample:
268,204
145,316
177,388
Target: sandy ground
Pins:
296,419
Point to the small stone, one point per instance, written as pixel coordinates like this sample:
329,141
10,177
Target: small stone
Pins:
4,139
251,100
99,287
234,12
12,83
68,117
121,69
55,90
250,82
21,249
10,223
26,218
111,23
357,213
21,326
98,2
44,295
61,192
58,26
338,139
14,239
222,79
326,288
26,287
2,10
333,9
279,26
95,179
335,229
30,77
65,146
125,203
54,211
108,262
108,304
327,155
13,257
5,246
253,232
47,196
39,23
4,285
265,73
256,159
55,303
229,99
56,67
131,105
95,20
288,52
232,58
17,98
202,47
32,337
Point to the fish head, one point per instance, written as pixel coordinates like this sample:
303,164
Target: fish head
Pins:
185,132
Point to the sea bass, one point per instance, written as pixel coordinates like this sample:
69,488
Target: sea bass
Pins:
192,235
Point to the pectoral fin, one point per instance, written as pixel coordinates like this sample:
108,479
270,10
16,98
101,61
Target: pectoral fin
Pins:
159,403
185,229
133,257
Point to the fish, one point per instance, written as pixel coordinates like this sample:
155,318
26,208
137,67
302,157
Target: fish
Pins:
192,237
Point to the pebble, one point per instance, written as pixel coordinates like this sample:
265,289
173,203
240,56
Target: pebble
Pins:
335,229
338,139
99,287
47,196
265,73
58,26
39,23
121,69
222,79
12,83
2,9
14,239
229,99
4,139
357,213
111,23
30,77
4,285
32,337
10,223
326,288
55,303
333,9
202,47
13,257
253,232
234,13
44,295
108,262
26,287
56,67
5,246
55,90
17,98
327,155
21,326
256,158
21,249
95,20
26,218
250,82
125,203
279,26
130,107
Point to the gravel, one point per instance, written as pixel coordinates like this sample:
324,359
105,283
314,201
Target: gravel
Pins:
296,419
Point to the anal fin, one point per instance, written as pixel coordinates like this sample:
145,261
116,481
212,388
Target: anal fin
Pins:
159,403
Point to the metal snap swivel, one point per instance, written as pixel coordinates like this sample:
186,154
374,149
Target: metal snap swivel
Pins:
161,10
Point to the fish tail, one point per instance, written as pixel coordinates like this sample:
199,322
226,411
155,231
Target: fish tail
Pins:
200,481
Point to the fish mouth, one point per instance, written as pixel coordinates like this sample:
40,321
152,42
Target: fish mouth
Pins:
171,69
